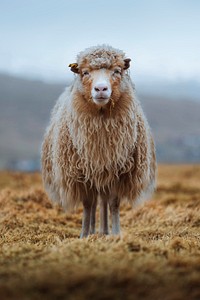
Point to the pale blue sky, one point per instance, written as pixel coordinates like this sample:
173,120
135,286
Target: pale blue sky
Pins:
39,38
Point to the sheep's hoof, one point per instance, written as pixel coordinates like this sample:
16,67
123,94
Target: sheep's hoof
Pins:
102,233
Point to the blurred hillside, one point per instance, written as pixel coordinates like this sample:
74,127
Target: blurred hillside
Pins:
26,105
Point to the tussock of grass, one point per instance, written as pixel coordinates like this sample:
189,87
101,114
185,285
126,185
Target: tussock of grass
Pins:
157,257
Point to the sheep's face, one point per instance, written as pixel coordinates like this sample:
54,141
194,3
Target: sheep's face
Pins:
101,85
101,70
98,83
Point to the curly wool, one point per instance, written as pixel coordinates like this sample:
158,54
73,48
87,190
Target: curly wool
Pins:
98,57
86,153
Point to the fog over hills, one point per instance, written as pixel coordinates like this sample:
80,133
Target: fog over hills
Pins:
174,89
173,111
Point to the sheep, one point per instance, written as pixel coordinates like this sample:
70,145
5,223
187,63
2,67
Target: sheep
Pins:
98,145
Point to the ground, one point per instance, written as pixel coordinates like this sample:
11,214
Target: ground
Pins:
157,256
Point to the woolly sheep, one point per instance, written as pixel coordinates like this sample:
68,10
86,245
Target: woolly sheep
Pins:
98,144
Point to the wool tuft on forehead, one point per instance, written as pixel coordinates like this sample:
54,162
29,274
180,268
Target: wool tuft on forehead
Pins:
103,56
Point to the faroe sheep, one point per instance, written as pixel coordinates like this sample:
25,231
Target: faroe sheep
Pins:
98,144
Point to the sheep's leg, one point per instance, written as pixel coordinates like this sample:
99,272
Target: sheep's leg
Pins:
86,218
114,204
93,216
104,229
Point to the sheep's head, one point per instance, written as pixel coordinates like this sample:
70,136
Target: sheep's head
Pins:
101,70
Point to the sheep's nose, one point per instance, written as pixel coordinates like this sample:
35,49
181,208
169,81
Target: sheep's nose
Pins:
101,87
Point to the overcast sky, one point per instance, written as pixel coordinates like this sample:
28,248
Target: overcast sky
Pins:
39,38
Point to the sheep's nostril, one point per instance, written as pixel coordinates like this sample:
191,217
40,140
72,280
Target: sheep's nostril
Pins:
101,87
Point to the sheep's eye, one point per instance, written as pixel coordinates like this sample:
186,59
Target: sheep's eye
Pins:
85,73
117,71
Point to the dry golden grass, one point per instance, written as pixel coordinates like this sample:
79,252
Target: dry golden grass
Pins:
158,256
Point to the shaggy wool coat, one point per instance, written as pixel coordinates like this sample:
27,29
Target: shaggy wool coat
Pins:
88,151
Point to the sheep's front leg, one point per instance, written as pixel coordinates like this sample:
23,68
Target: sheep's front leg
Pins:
93,216
104,216
87,205
114,204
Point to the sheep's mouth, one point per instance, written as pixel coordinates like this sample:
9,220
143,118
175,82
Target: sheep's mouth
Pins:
101,101
101,98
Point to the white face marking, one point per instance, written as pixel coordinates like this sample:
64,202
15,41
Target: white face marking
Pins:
101,87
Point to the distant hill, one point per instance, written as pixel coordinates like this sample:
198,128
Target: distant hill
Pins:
174,90
25,110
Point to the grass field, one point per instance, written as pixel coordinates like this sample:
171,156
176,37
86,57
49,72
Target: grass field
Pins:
157,257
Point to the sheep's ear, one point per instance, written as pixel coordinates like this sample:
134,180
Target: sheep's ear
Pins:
126,63
74,68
